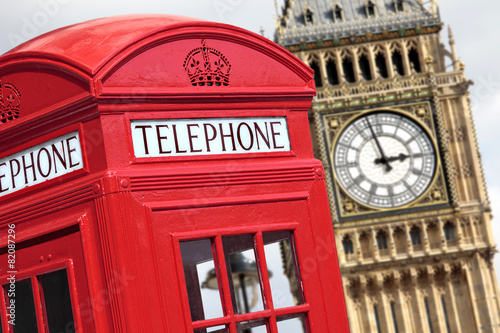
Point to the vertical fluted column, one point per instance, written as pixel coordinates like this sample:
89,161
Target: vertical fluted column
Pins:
472,295
357,245
406,62
368,305
460,237
340,68
385,316
388,60
392,244
453,316
376,252
438,325
442,238
340,248
418,303
409,244
425,237
322,68
371,60
355,64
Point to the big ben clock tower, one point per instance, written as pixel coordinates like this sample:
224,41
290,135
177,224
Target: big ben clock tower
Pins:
393,127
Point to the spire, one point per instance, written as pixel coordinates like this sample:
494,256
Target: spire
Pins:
454,56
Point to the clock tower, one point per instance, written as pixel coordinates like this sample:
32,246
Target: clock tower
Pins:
393,126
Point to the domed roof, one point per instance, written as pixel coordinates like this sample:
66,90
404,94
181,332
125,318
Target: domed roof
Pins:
88,45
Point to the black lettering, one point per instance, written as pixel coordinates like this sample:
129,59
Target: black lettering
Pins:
26,167
238,131
177,150
274,134
191,137
12,173
39,164
161,138
259,131
207,139
2,176
61,158
144,138
70,151
231,135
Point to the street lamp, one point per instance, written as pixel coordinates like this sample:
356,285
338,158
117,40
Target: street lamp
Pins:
244,273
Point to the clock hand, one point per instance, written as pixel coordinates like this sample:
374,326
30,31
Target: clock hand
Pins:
384,159
400,157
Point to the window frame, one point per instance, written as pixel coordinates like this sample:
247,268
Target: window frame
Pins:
230,318
33,273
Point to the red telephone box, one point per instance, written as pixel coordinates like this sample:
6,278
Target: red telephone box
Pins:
156,175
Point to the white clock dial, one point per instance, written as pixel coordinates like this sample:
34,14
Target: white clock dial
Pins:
384,160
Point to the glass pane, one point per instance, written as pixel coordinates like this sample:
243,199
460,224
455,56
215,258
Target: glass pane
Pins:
280,259
55,291
215,329
253,326
292,325
201,279
244,277
25,307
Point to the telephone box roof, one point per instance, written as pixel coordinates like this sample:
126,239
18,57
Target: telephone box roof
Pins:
88,45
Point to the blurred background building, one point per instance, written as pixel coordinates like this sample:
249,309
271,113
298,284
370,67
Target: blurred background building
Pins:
392,124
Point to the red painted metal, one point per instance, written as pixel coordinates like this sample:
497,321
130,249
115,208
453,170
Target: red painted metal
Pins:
117,221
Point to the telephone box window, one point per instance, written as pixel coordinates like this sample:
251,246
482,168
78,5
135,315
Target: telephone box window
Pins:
57,301
288,324
215,329
279,253
25,307
252,326
198,262
54,303
243,268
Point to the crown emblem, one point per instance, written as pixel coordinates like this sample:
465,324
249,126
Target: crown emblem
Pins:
10,100
207,66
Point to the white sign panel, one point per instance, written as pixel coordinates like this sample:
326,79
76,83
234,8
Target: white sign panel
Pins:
209,136
40,163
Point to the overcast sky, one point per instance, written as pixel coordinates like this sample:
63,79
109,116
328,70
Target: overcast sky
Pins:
475,26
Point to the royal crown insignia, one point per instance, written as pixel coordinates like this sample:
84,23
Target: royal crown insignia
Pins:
207,66
10,100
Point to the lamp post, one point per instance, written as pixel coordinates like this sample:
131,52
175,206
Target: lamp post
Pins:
244,273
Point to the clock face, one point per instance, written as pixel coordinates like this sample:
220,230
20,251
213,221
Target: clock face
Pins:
384,160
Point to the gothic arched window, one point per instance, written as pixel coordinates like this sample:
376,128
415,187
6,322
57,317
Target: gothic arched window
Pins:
317,74
381,65
397,61
331,72
449,231
348,68
415,236
381,241
364,67
348,246
414,60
